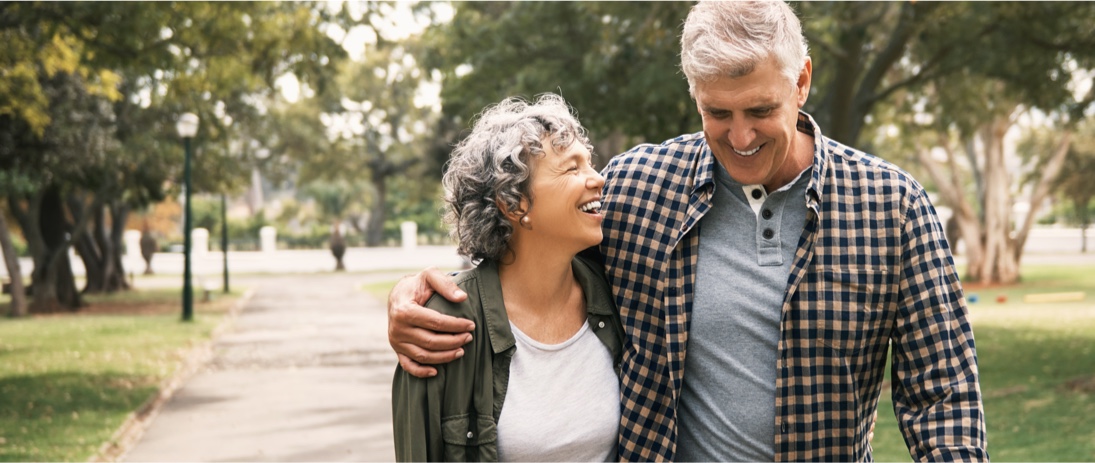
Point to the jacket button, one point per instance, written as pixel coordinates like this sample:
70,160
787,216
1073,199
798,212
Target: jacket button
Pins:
471,434
601,324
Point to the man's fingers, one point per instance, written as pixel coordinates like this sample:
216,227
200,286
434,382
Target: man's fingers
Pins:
422,317
415,368
870,432
429,357
430,340
441,284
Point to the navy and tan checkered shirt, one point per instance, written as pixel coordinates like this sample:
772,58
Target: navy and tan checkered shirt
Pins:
872,270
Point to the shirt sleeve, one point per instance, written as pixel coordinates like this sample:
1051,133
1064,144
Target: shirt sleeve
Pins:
935,386
416,416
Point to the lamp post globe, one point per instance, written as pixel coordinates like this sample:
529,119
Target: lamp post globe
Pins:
187,127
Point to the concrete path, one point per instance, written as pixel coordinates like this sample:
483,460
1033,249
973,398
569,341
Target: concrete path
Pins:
304,374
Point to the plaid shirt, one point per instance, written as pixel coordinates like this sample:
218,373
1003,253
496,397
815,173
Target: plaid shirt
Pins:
872,270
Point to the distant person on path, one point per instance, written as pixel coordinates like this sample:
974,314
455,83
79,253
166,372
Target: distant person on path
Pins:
763,272
539,381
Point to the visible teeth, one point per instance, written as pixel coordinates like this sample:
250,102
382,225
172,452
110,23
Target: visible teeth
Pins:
590,206
747,153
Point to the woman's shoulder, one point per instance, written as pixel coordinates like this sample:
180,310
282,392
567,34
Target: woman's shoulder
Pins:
591,276
467,281
591,273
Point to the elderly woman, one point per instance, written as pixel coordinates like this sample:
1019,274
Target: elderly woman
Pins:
539,380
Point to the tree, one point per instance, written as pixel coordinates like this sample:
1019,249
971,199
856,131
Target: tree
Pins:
375,126
617,63
876,66
1074,184
967,113
155,61
79,138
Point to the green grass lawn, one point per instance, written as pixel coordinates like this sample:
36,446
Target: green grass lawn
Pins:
1037,364
67,382
379,290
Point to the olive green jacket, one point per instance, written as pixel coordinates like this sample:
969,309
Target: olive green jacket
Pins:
453,416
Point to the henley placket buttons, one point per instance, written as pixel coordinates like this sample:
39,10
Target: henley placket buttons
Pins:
768,233
767,214
757,193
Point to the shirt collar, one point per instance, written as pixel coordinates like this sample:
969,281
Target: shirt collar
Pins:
597,294
807,125
705,162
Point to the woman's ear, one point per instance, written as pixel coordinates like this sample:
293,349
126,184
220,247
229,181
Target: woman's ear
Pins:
516,216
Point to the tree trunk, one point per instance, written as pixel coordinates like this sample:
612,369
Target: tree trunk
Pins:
148,249
1085,220
951,190
1042,190
15,273
608,146
118,215
1000,263
93,265
101,248
374,235
1083,238
53,284
338,247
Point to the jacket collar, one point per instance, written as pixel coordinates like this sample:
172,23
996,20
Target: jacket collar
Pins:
590,277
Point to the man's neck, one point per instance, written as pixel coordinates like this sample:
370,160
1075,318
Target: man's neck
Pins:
799,159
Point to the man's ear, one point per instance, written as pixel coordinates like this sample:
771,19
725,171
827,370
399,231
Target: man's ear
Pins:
802,87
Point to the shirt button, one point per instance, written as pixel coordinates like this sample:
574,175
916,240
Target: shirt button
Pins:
471,434
768,233
757,193
767,214
782,428
600,324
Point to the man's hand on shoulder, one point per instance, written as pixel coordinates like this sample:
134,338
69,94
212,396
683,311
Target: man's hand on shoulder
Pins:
421,336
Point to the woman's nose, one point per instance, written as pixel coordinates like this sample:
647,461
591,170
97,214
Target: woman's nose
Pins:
595,181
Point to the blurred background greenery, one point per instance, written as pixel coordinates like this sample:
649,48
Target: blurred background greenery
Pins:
323,116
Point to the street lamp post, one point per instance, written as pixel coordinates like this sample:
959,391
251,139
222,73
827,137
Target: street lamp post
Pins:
224,238
187,127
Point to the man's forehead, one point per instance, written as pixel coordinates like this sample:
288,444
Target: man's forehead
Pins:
726,92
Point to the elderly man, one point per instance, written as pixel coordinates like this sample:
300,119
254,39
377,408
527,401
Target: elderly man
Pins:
763,272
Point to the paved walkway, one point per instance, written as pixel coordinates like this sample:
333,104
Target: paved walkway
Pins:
304,374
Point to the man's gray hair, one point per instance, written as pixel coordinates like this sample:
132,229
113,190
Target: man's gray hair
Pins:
731,38
493,166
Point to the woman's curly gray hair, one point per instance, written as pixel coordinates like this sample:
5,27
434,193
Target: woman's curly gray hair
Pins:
493,166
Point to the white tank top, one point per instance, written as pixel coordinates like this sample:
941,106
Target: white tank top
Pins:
562,402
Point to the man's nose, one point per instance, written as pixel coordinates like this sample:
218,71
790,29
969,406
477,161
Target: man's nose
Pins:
742,134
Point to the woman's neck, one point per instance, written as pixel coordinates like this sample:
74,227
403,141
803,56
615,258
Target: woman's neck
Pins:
541,295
